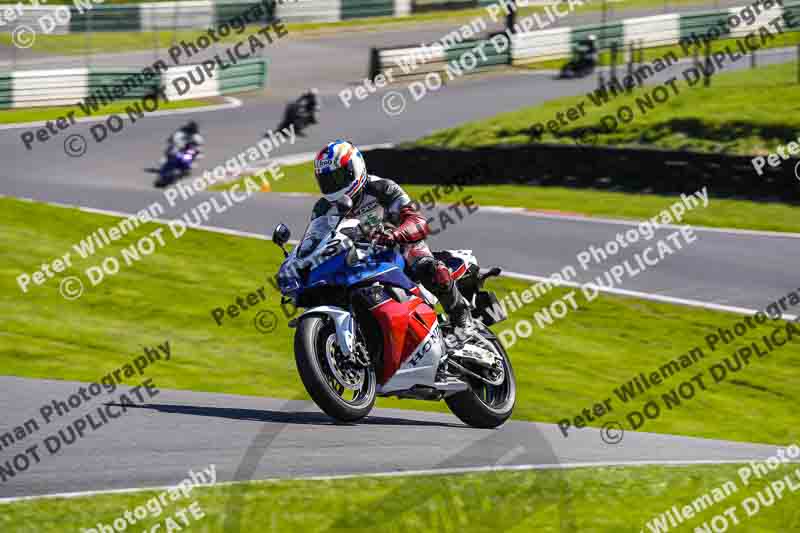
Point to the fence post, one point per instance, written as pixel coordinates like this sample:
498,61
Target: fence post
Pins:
13,55
631,52
511,20
87,48
752,59
614,51
374,63
267,18
156,43
175,9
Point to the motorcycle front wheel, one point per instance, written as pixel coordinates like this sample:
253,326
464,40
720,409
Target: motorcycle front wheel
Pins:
341,389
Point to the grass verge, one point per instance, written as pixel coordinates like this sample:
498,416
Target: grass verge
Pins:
719,213
725,117
170,294
580,500
35,114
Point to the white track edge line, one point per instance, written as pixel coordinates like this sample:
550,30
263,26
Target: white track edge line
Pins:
404,473
528,277
647,296
632,222
231,103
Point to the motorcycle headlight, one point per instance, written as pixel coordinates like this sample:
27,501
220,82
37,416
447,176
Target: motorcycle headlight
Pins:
288,278
288,285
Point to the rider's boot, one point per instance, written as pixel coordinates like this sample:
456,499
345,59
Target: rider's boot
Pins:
455,305
457,342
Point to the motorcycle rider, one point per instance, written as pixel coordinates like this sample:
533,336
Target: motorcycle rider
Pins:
187,135
586,53
302,112
340,171
309,103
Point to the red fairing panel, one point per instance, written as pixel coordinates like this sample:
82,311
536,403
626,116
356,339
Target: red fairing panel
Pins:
405,326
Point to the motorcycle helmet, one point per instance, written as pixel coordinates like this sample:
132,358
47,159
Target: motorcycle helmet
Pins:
340,170
191,128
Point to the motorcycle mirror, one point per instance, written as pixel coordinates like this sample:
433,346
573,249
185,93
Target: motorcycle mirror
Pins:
343,206
280,236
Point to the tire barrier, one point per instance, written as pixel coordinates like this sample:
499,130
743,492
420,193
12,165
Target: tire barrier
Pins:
155,16
619,169
94,88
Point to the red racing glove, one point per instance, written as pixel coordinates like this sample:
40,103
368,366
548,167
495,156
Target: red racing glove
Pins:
412,228
384,237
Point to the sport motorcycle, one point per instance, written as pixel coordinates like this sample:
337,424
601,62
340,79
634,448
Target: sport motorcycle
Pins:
368,330
177,166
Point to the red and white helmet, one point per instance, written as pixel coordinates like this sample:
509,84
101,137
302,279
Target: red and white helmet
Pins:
340,170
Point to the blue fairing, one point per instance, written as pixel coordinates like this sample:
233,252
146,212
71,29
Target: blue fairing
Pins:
385,267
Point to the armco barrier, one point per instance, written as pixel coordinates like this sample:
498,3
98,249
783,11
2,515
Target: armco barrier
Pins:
625,169
557,43
31,88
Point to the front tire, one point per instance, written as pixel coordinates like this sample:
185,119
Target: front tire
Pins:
483,405
315,335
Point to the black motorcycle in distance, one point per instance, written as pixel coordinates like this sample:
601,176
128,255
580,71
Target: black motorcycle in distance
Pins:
301,113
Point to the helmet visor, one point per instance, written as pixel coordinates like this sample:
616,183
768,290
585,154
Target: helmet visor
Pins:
335,181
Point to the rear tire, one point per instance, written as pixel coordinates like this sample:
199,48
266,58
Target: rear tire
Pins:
310,341
483,405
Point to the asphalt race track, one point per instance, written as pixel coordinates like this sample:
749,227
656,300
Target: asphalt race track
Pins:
159,442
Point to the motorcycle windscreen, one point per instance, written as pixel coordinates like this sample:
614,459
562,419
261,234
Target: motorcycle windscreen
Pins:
316,230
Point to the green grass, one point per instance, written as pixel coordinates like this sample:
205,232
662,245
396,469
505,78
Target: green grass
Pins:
33,114
719,213
169,295
724,117
590,500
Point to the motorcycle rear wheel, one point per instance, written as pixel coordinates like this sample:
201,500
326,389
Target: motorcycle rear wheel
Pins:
316,334
483,405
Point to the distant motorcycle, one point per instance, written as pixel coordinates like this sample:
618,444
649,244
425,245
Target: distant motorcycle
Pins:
576,69
301,113
177,166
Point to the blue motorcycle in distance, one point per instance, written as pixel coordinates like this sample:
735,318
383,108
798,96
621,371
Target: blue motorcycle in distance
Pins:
177,166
